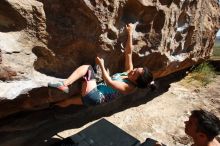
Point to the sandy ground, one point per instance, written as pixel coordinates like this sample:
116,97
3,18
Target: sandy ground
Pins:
163,117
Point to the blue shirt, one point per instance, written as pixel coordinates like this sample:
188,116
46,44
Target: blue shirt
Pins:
108,91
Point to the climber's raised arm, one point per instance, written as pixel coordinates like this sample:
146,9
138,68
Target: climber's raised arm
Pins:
122,87
128,49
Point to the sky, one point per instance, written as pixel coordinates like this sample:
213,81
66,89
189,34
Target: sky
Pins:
218,34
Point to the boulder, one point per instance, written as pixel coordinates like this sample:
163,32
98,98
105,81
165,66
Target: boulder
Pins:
45,40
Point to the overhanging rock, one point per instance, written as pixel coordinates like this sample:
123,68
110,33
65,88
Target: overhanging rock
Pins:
42,41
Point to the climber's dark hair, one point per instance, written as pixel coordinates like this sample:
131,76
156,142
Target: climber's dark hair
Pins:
145,79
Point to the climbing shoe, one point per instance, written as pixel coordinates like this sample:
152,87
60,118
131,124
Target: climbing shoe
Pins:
60,86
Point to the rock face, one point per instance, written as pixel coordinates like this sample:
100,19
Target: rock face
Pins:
41,40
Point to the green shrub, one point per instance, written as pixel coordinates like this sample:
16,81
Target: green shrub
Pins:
204,73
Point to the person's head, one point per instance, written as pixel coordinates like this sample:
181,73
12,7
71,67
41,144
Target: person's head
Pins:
142,77
202,125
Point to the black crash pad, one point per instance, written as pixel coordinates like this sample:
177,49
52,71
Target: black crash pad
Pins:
101,133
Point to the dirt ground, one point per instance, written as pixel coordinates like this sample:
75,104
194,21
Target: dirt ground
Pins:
163,117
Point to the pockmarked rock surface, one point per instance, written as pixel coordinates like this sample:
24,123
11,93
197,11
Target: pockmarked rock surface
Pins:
45,40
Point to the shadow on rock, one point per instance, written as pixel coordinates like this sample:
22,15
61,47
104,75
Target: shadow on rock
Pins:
38,127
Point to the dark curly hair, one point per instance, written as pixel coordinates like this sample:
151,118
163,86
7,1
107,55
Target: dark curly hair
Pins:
207,123
144,79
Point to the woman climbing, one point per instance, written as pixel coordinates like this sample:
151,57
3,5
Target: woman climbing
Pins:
94,93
